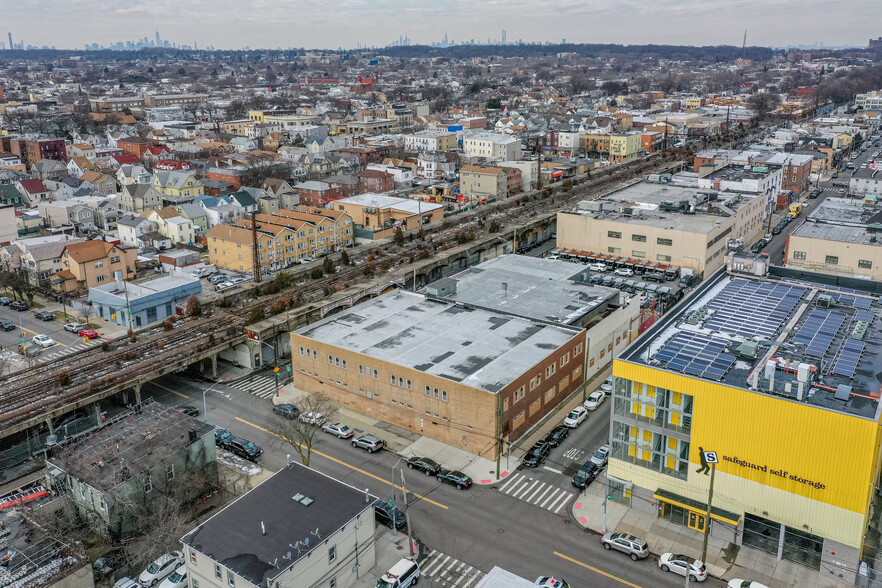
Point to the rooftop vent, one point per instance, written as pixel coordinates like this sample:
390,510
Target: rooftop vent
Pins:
843,392
302,499
824,301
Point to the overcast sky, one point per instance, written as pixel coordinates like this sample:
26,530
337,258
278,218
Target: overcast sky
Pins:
233,24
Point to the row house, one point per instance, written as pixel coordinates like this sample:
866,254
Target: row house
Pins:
374,180
92,263
32,151
33,190
315,193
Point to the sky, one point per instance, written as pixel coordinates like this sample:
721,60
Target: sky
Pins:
329,24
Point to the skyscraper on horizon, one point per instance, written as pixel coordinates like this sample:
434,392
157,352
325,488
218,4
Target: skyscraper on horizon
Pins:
11,46
158,44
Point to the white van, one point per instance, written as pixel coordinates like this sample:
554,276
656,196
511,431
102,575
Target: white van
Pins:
403,574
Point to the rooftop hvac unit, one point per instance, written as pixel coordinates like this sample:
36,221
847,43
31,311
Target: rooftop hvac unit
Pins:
824,301
747,350
803,371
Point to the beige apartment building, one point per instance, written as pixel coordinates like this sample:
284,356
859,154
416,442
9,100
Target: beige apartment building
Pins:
92,263
482,182
688,227
431,140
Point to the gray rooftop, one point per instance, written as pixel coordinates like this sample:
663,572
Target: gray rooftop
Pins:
479,348
841,219
651,200
543,290
785,321
234,538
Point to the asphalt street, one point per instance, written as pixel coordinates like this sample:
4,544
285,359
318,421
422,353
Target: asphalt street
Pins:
481,526
27,326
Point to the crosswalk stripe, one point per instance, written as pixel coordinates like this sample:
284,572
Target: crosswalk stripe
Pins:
466,573
472,579
530,497
551,497
554,504
520,495
516,487
438,567
541,496
509,482
563,503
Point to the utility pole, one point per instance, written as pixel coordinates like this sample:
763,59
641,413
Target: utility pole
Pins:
406,514
710,458
255,254
499,433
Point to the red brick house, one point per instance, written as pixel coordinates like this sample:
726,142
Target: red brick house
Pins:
137,146
374,180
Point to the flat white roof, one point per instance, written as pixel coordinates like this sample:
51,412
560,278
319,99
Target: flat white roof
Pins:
371,199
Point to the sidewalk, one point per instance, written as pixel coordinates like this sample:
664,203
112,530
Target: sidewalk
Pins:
724,559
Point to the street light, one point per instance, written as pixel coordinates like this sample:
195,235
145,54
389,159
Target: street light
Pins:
204,392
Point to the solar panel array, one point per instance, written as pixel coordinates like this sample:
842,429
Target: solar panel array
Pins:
862,303
864,316
855,301
818,331
849,358
753,309
697,354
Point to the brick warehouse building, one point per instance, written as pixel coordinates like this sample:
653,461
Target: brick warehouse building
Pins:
445,363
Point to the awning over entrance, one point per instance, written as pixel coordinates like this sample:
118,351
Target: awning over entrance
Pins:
694,505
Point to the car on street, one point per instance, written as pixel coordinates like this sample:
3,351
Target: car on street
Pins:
556,435
776,230
576,416
595,399
44,341
757,247
190,411
44,316
623,271
4,301
586,474
177,579
244,449
29,350
222,438
738,583
368,442
289,411
312,418
841,190
454,478
74,327
683,565
607,384
7,324
634,546
601,456
537,454
340,430
88,333
161,567
18,306
385,514
428,466
551,582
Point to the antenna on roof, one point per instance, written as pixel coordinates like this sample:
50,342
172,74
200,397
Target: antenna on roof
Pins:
316,533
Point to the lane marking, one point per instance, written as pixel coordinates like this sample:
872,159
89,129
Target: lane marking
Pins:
169,390
596,570
352,467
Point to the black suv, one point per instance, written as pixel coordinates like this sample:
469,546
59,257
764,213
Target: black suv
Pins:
44,316
289,411
537,454
245,449
654,277
556,435
385,513
222,438
586,475
428,466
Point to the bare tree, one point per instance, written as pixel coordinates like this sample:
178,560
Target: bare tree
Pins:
300,433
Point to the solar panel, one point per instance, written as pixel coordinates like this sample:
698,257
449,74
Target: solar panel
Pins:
696,354
863,303
818,331
752,309
849,358
864,316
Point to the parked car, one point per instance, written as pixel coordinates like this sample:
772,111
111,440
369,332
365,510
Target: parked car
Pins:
654,277
18,305
368,442
424,464
607,384
596,279
161,567
7,324
537,454
601,456
339,429
598,267
44,316
177,579
44,341
586,474
88,333
776,230
556,435
74,327
29,350
289,411
190,411
737,583
683,565
551,582
222,438
126,582
4,301
386,514
454,478
312,418
757,247
217,279
634,546
594,400
576,416
224,286
623,271
245,449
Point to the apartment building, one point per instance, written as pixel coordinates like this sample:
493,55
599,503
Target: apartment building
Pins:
432,140
377,216
92,263
492,145
483,182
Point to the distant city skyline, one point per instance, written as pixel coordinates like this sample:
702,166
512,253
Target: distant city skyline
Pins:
266,24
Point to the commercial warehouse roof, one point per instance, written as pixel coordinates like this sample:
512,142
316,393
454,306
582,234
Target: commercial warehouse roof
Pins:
479,348
734,325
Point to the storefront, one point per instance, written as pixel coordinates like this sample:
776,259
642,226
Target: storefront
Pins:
693,514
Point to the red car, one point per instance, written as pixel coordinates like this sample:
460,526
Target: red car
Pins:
90,333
